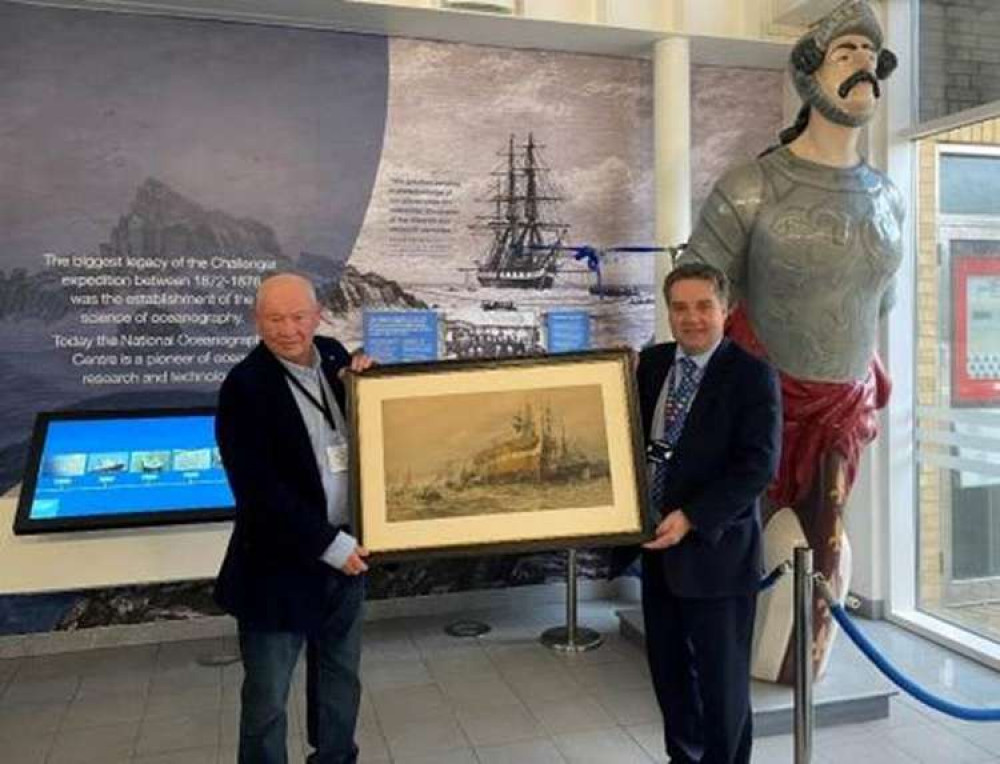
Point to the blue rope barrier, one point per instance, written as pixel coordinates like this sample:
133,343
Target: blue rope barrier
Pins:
772,578
912,688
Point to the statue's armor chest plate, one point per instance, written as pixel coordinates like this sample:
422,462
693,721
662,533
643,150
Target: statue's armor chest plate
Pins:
823,251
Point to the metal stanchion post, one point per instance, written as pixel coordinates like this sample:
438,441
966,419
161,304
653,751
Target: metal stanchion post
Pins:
803,654
571,638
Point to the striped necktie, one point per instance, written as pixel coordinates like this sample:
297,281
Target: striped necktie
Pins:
675,409
679,400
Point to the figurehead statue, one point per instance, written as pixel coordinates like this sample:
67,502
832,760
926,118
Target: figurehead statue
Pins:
811,237
811,52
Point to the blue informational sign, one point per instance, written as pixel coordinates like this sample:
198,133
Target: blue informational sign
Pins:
401,336
568,330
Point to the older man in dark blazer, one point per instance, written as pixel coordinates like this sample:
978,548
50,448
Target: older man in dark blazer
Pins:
292,571
711,417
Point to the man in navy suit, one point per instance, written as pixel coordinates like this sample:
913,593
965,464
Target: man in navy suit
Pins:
292,572
711,418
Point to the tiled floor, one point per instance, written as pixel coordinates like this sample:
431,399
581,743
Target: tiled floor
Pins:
434,699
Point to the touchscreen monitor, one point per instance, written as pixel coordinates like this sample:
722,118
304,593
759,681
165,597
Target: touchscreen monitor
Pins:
111,469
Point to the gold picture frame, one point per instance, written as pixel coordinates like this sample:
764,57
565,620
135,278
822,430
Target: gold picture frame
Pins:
458,457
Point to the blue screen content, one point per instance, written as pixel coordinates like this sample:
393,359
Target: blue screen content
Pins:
93,468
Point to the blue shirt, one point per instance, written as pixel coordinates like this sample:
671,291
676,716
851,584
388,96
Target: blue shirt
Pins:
322,437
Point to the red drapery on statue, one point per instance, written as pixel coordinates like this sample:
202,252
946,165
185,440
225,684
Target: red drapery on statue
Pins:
817,417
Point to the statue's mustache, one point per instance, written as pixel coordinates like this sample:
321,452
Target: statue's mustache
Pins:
862,75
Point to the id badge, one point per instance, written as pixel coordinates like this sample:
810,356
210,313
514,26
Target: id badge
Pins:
336,457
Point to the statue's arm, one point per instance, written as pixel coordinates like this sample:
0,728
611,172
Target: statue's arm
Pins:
888,298
898,206
721,235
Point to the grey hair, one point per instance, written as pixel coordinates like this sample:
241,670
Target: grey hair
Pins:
271,278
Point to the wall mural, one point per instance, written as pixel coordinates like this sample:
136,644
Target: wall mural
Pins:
155,168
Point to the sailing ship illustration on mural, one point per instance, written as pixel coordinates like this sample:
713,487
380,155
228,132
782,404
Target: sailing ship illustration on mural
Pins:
524,243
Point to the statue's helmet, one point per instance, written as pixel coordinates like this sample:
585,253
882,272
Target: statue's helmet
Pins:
808,55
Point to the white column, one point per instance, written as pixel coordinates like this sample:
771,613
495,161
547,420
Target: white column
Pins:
894,525
672,151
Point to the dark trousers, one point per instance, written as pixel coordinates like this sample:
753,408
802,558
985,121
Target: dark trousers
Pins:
333,687
699,658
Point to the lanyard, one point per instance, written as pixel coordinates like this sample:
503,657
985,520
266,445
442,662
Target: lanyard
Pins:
323,405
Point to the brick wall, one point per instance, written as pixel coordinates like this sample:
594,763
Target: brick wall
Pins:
959,55
928,373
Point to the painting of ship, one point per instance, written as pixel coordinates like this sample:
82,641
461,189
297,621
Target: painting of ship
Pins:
538,459
535,452
524,242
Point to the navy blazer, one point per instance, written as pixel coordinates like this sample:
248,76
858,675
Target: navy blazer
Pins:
272,577
725,457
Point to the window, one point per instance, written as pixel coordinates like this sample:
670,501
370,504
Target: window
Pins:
958,377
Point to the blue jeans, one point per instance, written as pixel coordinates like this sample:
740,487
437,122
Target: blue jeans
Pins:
333,689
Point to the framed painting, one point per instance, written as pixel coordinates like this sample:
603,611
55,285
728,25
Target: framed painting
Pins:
503,455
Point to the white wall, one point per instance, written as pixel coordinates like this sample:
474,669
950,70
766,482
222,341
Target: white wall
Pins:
91,559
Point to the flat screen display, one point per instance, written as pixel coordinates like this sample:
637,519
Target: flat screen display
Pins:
90,470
